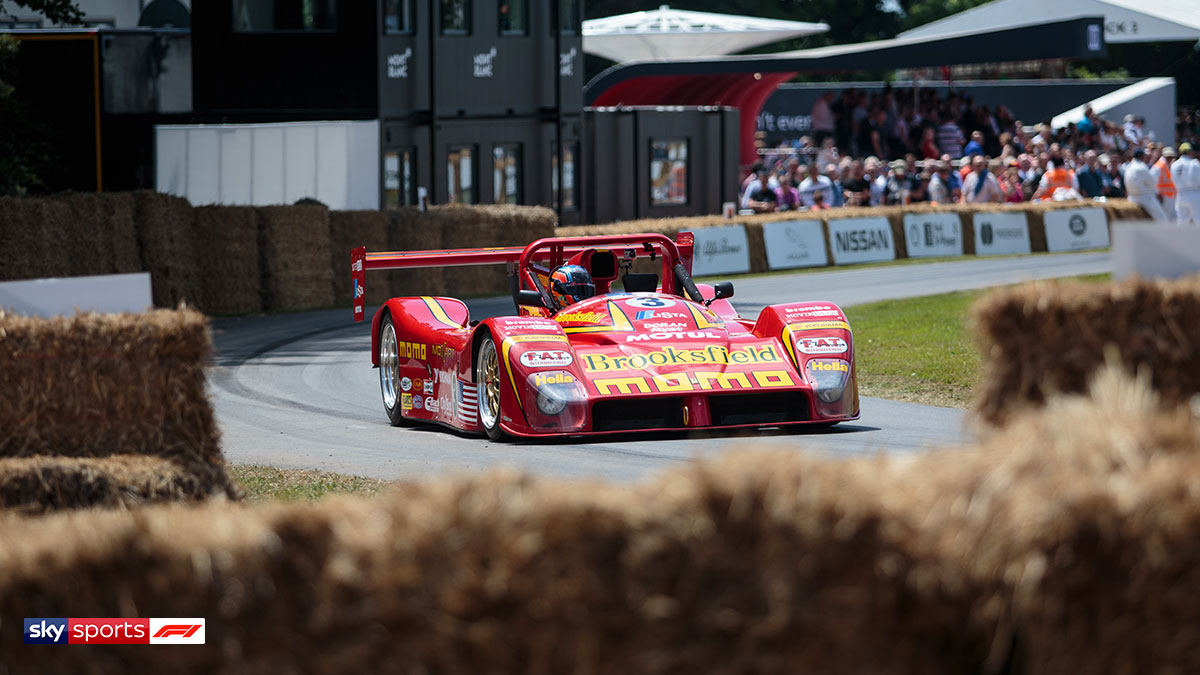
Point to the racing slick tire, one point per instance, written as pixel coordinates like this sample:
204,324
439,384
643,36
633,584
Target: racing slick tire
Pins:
389,373
487,377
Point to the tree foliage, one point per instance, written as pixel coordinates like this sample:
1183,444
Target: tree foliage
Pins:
59,11
21,154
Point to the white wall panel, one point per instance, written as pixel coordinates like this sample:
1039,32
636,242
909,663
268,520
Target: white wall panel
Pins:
203,162
235,172
267,176
299,162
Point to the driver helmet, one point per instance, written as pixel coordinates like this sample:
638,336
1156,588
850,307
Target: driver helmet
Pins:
571,283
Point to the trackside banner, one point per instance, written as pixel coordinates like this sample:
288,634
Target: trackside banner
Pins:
1076,229
358,273
932,234
721,250
860,240
795,243
1001,233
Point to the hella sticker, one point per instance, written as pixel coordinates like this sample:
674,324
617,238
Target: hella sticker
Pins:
821,345
546,358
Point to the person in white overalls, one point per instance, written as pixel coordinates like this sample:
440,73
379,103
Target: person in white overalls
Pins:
1186,171
1141,186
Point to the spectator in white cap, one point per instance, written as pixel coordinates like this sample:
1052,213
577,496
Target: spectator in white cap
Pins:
1186,171
1141,186
1133,132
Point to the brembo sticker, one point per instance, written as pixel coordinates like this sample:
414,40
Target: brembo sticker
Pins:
546,358
821,345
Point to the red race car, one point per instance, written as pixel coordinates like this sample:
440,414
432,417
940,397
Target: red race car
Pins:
580,357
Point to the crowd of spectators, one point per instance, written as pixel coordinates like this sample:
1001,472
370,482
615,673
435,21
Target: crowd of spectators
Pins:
886,149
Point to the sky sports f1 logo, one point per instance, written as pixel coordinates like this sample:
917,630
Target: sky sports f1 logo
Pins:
160,631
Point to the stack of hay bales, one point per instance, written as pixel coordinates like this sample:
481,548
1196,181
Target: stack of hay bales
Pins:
482,227
101,234
229,261
1063,543
1049,337
349,230
106,410
167,241
410,230
294,249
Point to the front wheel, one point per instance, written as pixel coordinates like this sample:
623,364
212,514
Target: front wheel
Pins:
487,378
389,373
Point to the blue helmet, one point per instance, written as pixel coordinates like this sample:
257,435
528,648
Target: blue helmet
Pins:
571,283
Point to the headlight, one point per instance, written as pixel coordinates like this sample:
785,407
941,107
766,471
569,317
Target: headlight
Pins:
828,377
555,389
551,400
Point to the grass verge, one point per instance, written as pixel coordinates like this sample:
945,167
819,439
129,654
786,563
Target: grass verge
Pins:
920,349
268,483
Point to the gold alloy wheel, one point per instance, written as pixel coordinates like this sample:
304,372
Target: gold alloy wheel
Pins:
488,376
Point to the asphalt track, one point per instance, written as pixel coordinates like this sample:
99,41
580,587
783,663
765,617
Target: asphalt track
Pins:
298,390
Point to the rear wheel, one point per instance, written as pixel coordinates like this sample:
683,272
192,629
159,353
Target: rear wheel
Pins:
389,373
487,377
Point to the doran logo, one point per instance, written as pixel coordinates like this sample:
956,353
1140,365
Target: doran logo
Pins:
821,345
546,358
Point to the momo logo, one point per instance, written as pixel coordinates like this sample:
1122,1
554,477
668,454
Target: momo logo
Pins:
410,350
1078,225
547,358
557,378
821,345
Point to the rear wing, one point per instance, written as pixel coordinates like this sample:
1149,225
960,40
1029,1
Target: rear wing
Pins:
521,259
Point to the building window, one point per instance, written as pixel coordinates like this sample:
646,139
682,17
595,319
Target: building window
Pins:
668,171
460,175
506,173
513,17
398,17
456,17
570,189
265,16
400,178
568,16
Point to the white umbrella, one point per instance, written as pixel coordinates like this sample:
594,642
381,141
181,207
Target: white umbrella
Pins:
667,33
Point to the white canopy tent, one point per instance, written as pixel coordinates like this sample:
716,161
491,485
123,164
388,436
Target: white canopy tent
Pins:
667,33
1124,20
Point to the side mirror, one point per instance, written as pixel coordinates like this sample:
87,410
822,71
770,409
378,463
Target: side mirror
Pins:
531,298
721,290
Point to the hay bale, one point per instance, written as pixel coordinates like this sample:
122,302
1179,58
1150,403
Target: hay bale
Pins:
997,559
167,243
229,260
486,226
773,564
294,248
1089,490
38,485
410,230
94,385
1123,209
348,230
101,237
1048,337
34,235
